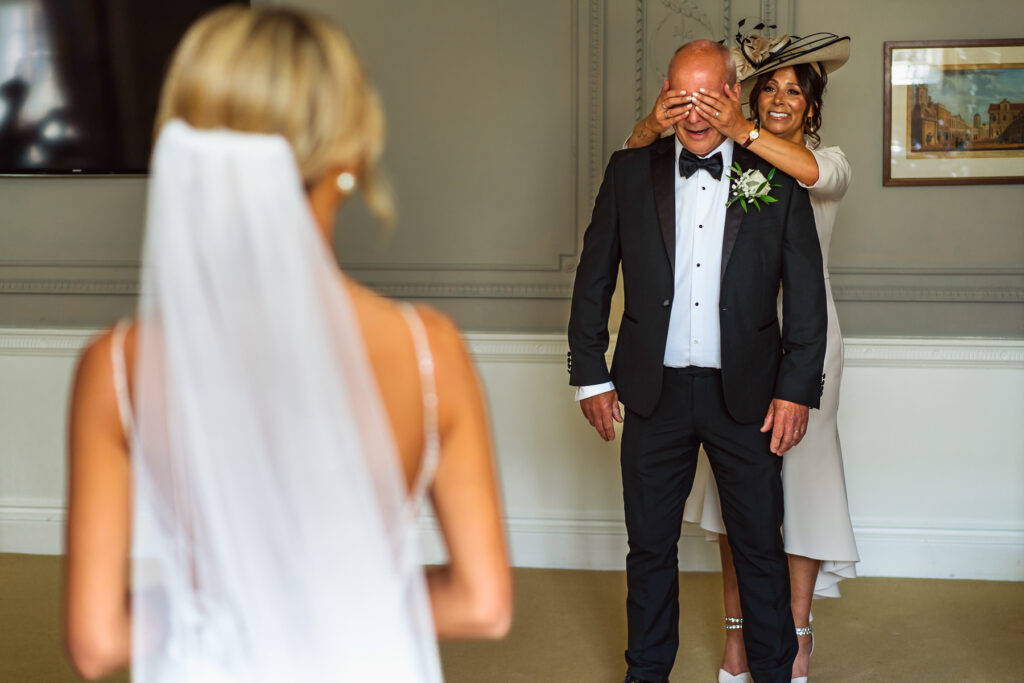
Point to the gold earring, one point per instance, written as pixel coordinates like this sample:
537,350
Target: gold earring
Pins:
346,182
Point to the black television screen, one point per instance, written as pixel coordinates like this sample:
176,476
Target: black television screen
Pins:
80,80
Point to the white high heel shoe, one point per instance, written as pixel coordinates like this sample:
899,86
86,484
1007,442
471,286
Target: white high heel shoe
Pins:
733,624
726,677
805,631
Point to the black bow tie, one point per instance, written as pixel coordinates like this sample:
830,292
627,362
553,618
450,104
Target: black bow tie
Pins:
690,162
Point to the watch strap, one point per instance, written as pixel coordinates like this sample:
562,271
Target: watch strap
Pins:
753,135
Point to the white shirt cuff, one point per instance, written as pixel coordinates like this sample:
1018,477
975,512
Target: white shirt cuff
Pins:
593,390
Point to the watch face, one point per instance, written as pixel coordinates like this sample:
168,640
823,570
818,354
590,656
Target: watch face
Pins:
755,133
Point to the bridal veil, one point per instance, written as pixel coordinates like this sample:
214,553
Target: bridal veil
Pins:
273,539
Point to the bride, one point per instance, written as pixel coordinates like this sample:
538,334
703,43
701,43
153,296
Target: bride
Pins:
248,454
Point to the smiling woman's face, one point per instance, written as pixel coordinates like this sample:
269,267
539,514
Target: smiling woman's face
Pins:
782,106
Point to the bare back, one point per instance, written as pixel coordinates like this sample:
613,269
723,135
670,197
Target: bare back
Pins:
470,596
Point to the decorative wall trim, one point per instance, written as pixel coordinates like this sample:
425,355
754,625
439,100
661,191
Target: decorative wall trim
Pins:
493,347
928,294
935,353
70,263
62,286
768,13
936,285
36,342
855,284
639,36
481,290
403,290
516,348
595,108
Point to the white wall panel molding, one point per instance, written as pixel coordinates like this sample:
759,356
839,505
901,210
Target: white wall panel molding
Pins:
926,502
936,353
551,243
36,342
517,348
948,285
470,290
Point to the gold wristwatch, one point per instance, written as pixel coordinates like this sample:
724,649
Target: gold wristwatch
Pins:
752,136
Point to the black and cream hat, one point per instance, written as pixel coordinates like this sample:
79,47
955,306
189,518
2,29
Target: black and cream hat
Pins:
756,55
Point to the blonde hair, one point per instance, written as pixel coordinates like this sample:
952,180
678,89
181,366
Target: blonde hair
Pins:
281,71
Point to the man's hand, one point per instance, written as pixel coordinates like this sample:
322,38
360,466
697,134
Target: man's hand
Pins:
601,409
788,422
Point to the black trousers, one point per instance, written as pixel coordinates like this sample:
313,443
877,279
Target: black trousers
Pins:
659,458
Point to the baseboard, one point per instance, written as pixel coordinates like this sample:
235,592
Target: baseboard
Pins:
37,527
31,526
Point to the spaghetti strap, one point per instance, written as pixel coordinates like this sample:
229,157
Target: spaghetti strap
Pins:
431,437
124,404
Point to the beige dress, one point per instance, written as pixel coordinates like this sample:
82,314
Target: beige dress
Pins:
817,522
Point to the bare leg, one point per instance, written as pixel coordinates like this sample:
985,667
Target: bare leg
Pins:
803,572
734,659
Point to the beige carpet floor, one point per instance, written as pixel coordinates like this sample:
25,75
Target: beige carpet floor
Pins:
570,628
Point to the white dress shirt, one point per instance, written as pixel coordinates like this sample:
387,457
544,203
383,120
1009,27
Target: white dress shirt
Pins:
694,332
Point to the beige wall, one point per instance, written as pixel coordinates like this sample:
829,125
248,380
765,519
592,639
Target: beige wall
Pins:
502,116
920,246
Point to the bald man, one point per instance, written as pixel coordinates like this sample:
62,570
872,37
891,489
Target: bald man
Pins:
700,360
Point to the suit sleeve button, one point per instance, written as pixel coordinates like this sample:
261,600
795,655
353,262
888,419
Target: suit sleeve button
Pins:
666,303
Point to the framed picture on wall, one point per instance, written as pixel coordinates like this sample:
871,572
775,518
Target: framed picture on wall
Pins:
953,112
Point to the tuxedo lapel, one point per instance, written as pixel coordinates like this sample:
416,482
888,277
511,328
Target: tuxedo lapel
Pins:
663,170
734,214
733,219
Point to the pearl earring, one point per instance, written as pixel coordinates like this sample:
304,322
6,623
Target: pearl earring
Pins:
346,182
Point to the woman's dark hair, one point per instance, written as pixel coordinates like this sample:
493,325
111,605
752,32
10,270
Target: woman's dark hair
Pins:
812,85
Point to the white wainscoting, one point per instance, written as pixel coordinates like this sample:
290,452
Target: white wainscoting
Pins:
932,431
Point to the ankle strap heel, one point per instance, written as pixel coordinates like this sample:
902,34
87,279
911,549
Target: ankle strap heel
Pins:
733,624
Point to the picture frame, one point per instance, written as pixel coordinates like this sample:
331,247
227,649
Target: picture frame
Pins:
953,112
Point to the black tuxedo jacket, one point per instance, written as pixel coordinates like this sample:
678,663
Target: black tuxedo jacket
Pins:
634,224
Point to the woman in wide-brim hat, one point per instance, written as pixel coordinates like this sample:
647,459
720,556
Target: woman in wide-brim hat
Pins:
783,80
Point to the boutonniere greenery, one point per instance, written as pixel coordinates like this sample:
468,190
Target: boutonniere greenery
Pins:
750,186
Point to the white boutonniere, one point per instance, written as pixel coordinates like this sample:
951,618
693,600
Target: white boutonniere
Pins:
750,186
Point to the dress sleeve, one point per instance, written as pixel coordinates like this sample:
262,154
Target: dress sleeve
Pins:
833,174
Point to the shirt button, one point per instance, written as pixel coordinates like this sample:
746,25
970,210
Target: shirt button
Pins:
665,303
701,225
696,303
703,188
698,265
